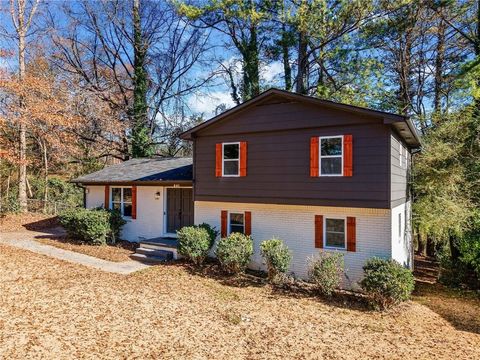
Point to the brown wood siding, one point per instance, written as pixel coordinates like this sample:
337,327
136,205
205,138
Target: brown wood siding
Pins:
278,139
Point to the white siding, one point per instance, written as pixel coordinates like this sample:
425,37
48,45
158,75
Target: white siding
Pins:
402,236
295,226
150,217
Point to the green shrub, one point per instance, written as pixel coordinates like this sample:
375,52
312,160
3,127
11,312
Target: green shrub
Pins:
96,227
326,272
386,282
234,252
212,232
194,242
277,257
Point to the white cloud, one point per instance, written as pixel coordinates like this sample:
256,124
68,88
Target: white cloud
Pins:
207,103
271,71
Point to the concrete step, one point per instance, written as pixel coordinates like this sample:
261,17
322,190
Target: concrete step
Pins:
150,259
157,245
154,252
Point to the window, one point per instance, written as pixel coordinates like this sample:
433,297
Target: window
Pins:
400,225
122,200
231,159
335,233
331,156
237,223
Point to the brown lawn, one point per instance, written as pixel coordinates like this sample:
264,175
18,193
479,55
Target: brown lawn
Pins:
28,221
52,309
119,252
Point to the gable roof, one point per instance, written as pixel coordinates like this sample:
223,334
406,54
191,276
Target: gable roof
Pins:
402,124
142,170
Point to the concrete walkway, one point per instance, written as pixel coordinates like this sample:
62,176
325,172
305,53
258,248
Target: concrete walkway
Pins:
25,240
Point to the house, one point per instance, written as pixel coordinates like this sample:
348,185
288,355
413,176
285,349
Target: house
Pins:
320,175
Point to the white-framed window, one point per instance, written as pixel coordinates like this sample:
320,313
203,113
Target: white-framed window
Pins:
331,155
231,159
121,200
400,225
236,222
335,233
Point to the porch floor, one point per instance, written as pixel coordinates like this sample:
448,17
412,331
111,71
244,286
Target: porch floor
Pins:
161,241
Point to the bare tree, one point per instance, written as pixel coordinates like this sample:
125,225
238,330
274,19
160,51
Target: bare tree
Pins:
22,13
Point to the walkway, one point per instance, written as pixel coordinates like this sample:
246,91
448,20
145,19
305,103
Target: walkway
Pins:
25,240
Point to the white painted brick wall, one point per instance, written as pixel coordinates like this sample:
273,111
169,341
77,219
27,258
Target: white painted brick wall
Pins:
402,238
150,218
295,226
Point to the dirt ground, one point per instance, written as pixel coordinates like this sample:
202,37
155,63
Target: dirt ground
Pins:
118,252
53,309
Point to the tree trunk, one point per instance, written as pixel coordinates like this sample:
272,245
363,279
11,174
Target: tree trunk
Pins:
430,248
455,253
45,175
287,69
422,248
141,136
22,149
302,64
439,61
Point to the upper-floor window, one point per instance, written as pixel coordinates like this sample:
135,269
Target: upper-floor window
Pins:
331,155
335,235
231,159
122,200
236,223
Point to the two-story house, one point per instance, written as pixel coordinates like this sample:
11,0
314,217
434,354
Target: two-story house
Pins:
320,175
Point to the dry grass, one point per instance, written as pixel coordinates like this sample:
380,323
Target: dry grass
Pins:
52,309
29,221
119,252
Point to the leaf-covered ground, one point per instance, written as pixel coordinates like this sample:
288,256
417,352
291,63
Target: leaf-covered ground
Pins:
53,309
117,253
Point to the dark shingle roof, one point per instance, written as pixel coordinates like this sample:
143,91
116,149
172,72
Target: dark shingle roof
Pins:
147,170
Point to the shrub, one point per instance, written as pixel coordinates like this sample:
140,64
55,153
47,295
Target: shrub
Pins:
277,257
326,272
194,242
96,227
386,282
234,252
212,232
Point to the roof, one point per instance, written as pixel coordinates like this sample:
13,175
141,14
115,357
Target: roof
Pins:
142,170
401,123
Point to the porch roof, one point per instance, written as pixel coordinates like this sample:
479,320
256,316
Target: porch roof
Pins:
143,170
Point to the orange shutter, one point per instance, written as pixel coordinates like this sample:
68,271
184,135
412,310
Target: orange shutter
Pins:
243,158
319,231
224,223
218,160
314,156
347,155
351,234
134,202
248,223
106,203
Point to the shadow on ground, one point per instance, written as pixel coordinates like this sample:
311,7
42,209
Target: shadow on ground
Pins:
461,308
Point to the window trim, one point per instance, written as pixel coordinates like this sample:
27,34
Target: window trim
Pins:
228,220
325,246
320,156
223,159
121,199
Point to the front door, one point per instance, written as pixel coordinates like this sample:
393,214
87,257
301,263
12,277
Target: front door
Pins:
179,208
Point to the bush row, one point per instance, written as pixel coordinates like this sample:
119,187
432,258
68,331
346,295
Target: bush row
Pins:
385,282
